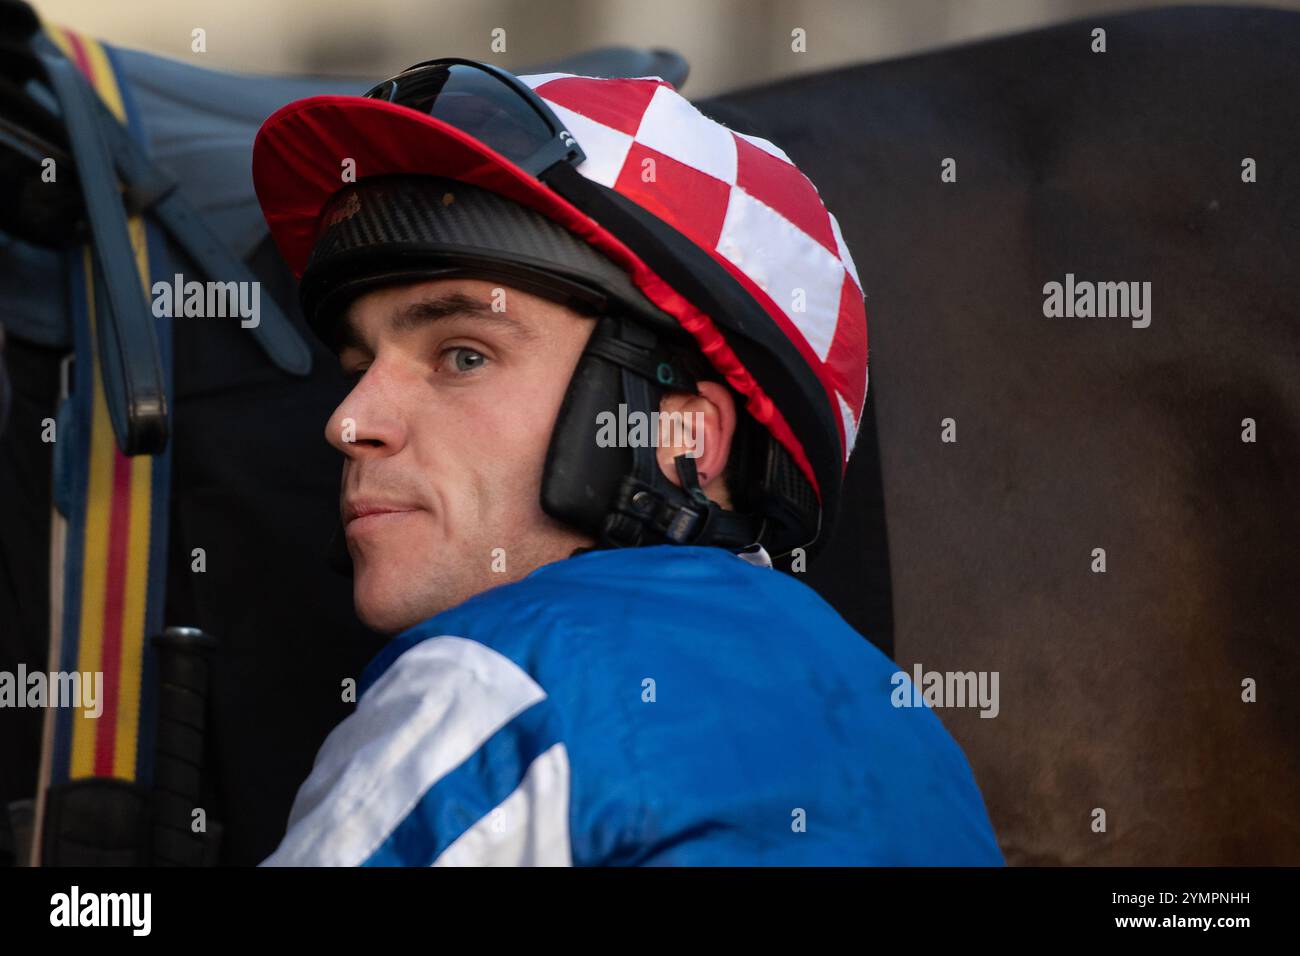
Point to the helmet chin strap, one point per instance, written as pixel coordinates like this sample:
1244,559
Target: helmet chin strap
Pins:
648,508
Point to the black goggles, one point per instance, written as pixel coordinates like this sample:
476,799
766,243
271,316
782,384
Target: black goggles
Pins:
493,106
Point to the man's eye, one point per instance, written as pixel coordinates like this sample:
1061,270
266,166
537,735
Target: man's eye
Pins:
466,359
353,376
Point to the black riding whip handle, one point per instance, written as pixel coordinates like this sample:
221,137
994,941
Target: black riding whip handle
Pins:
185,659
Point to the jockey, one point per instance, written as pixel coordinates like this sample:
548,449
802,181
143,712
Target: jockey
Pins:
593,660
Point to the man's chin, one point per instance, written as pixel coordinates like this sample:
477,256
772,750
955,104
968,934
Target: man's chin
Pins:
394,591
386,618
385,605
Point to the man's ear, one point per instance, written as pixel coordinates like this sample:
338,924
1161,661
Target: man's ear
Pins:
701,426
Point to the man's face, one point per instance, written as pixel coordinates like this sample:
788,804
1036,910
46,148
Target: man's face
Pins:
445,435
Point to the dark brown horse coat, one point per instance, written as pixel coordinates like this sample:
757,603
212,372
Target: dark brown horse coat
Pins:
1120,690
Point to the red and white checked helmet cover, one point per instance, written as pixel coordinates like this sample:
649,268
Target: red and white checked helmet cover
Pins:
740,198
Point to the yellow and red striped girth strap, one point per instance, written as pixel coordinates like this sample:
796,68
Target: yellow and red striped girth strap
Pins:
114,571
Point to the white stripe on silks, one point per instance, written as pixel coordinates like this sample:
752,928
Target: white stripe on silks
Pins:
534,80
850,426
756,555
674,127
787,259
433,708
606,147
529,828
843,248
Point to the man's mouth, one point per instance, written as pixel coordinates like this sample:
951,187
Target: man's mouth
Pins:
361,514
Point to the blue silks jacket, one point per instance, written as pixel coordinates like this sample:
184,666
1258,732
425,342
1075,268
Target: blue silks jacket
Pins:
663,705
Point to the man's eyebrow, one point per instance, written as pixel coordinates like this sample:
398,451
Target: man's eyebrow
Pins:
426,311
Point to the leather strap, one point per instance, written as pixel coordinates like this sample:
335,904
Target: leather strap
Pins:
149,189
133,375
647,505
128,347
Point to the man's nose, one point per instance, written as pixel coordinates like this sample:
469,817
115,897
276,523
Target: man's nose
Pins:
368,421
